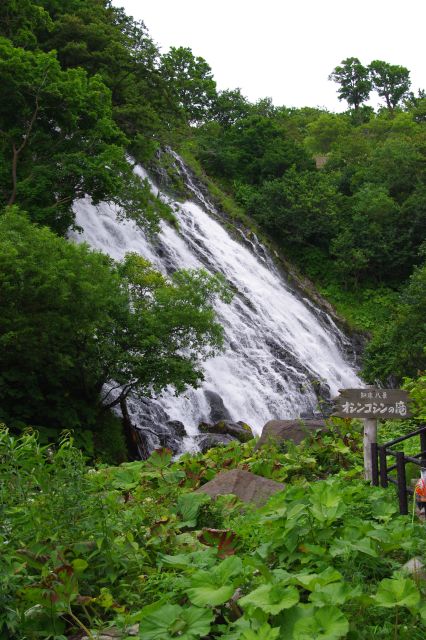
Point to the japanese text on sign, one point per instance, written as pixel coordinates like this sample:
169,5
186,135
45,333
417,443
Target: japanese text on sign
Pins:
372,403
374,408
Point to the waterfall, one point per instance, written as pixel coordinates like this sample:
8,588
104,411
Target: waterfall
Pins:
280,350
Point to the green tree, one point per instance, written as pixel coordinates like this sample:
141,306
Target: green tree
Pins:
252,150
412,230
21,21
298,209
365,244
398,164
391,81
58,141
72,320
326,131
191,79
354,81
229,107
416,105
398,347
104,40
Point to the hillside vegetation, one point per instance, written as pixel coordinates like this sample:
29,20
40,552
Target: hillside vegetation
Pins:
89,93
132,550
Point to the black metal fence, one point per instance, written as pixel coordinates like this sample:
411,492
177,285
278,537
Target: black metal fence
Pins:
381,470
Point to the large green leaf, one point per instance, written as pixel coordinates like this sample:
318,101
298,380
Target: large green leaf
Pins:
327,503
271,598
311,580
172,621
126,478
188,506
228,568
290,617
216,586
327,623
384,510
201,559
332,594
400,592
343,547
210,594
265,632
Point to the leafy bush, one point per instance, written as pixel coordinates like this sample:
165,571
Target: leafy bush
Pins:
84,549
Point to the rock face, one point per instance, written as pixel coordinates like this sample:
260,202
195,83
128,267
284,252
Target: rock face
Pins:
247,486
294,430
178,427
209,440
153,430
237,430
218,411
416,568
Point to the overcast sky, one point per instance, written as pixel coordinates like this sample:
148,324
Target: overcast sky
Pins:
285,49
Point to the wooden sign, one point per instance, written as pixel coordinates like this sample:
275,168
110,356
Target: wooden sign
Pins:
376,404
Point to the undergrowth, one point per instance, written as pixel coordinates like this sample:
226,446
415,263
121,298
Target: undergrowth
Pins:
86,549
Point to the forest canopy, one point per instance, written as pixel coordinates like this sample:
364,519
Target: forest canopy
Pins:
89,95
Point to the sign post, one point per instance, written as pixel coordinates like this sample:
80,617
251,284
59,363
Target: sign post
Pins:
371,404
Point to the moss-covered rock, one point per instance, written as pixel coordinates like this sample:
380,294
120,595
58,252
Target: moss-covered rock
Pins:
239,430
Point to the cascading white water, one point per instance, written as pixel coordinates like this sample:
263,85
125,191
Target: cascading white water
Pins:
277,343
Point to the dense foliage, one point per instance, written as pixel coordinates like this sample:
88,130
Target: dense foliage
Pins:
86,549
322,560
85,86
88,92
73,320
356,223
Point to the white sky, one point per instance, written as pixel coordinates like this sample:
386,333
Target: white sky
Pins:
285,49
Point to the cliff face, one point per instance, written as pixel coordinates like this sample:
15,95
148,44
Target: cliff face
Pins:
284,355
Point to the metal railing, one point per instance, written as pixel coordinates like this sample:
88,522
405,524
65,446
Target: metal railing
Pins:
381,470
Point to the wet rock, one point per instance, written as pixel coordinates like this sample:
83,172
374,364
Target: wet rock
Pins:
322,392
209,440
178,427
239,430
218,411
152,427
294,430
311,415
416,568
168,438
247,486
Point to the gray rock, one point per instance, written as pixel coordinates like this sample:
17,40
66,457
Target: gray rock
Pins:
218,411
415,568
238,430
294,430
209,440
178,427
247,486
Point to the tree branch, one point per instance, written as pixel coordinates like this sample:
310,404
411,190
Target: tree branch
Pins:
18,150
122,396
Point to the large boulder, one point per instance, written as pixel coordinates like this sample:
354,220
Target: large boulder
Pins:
247,486
218,411
295,430
239,430
209,440
178,427
415,568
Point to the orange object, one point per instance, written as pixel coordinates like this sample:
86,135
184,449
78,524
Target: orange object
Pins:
421,489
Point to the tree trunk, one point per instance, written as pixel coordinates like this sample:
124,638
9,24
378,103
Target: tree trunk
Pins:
14,176
135,440
18,150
